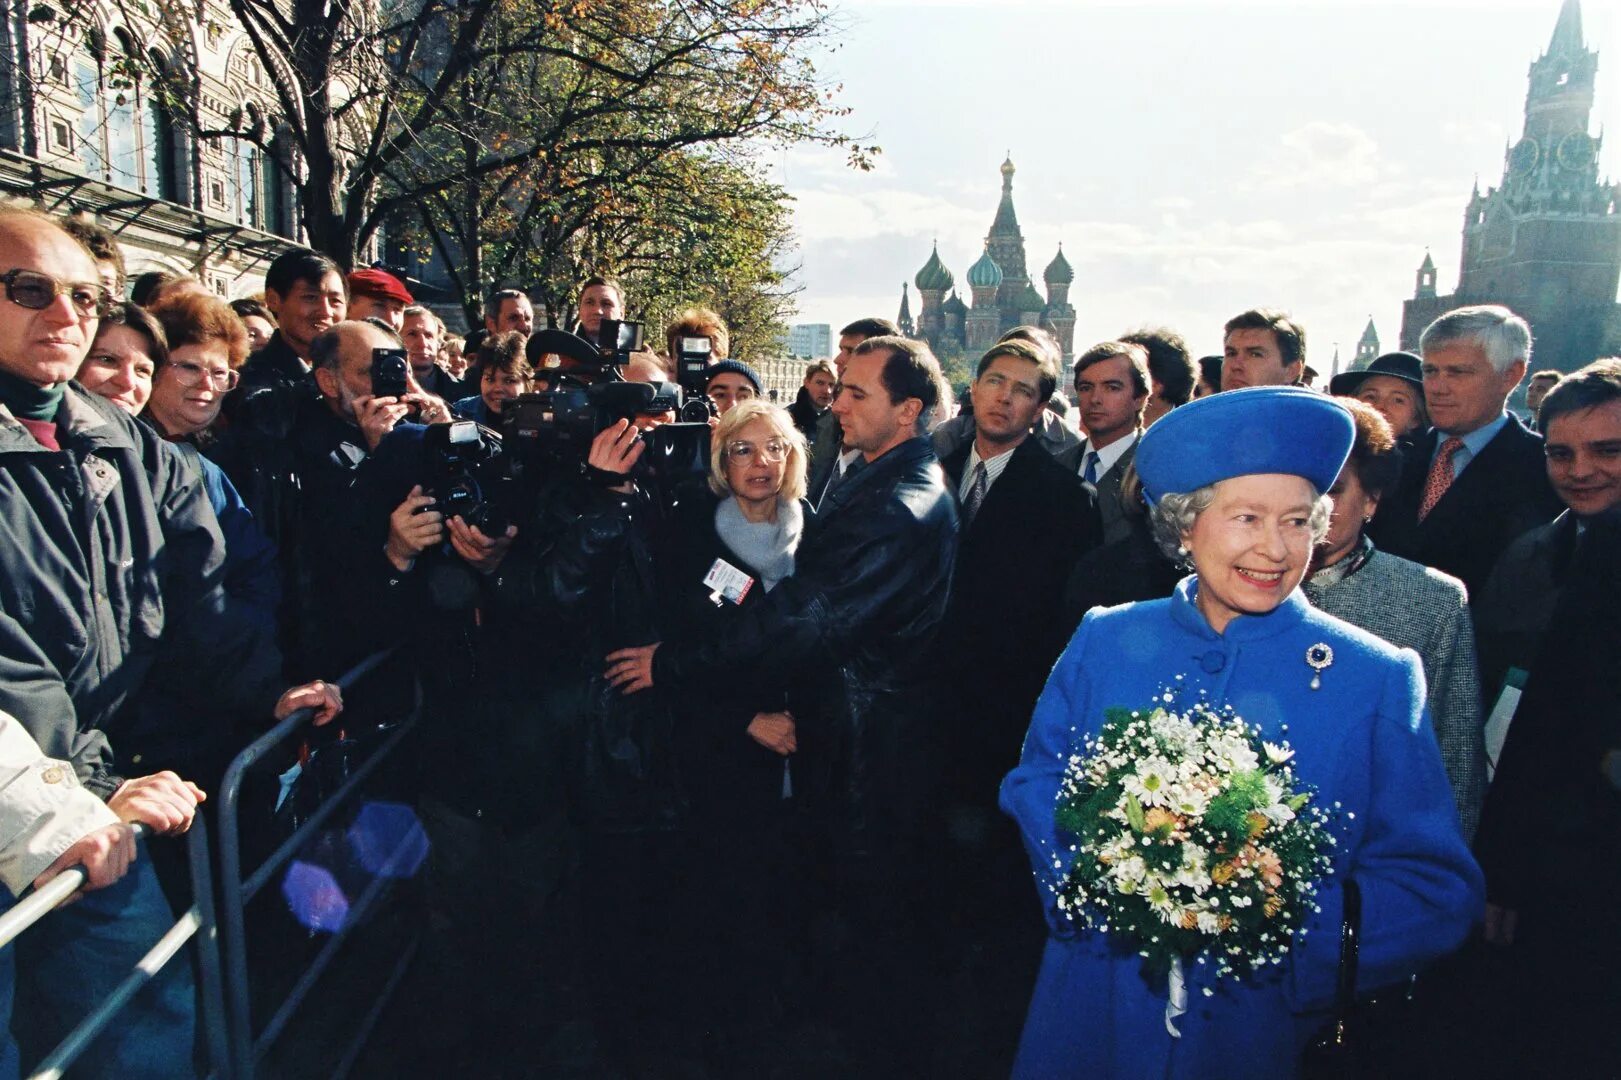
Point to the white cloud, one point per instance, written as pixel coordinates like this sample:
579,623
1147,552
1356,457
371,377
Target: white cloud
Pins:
1320,155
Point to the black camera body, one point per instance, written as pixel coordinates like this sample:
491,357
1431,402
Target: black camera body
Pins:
616,340
467,475
692,360
390,373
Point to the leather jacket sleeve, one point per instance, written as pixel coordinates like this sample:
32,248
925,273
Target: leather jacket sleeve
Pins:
570,548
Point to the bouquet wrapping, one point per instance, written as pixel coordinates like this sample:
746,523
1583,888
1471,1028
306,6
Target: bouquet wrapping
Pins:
1190,837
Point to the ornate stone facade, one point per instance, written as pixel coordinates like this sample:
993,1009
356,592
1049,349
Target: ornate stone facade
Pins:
1547,240
1000,289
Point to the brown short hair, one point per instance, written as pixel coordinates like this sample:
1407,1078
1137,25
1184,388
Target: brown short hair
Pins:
1373,453
910,371
505,352
1599,383
1169,362
1545,373
698,322
100,242
1046,367
820,367
1108,350
191,318
1291,336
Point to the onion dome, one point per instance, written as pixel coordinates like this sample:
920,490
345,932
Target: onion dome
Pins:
934,277
1030,300
1007,168
1059,272
953,305
985,274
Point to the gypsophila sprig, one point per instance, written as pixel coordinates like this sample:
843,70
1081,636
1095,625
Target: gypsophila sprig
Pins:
1190,835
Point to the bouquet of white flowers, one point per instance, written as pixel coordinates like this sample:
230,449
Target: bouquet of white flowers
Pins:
1191,838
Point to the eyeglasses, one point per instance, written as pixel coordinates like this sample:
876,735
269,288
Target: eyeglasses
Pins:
36,291
773,451
189,373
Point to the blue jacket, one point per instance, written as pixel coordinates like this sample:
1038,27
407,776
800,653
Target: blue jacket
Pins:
1363,741
473,407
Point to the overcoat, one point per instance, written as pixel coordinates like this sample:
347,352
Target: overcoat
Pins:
1362,741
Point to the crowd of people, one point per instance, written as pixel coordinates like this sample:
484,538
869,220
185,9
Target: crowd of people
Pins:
718,747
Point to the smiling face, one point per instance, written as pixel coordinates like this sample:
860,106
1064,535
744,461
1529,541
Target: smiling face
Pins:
119,368
498,387
307,309
46,346
1584,458
1250,547
756,458
1462,390
189,389
386,308
1397,400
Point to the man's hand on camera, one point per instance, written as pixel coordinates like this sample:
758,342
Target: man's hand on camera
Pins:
482,553
163,802
413,529
378,415
324,697
616,449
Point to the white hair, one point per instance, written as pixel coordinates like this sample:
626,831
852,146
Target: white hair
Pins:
1172,518
1503,336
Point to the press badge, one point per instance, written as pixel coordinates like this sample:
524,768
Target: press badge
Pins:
727,582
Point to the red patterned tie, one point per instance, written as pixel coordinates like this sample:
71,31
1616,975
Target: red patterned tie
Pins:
1440,477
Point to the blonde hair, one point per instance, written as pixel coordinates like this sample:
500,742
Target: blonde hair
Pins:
739,416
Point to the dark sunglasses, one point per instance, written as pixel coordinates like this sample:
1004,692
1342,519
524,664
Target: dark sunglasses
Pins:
36,291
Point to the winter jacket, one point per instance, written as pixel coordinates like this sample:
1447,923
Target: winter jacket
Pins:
868,593
111,561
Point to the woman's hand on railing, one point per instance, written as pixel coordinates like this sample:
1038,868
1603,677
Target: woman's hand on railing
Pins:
106,855
324,697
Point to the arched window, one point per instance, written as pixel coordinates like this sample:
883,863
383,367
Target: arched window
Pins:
124,134
160,174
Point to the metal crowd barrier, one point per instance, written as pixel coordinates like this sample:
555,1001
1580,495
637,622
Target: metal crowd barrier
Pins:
224,1014
198,922
246,1048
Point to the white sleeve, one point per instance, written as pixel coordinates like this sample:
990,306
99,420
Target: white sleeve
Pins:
43,810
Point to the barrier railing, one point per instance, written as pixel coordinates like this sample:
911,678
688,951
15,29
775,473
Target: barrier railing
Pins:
245,1048
224,1014
198,922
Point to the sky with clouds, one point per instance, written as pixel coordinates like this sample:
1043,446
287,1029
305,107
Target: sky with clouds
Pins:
1194,158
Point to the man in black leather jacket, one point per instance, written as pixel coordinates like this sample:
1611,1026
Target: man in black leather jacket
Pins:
867,595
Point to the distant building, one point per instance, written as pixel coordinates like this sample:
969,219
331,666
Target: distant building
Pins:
1367,347
1547,240
811,340
1000,290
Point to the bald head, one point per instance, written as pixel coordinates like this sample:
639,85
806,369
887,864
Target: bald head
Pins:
45,346
342,358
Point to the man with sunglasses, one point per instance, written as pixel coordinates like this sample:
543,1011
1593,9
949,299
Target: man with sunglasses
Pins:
110,568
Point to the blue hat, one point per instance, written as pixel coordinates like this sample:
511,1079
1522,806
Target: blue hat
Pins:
736,367
1260,429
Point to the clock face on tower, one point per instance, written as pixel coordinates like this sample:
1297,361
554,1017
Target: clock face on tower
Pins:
1523,158
1576,151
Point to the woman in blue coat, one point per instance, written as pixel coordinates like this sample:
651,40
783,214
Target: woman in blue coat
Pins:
1236,482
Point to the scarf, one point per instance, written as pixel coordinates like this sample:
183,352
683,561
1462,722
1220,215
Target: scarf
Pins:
766,546
28,401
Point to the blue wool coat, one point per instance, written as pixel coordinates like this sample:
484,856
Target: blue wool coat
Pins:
1363,741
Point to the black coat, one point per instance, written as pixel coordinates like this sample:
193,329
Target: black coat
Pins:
1517,604
1121,573
869,591
1006,623
1503,494
724,770
805,414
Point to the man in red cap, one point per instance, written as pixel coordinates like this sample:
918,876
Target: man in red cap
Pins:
378,294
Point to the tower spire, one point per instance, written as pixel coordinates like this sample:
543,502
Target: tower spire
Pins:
1567,32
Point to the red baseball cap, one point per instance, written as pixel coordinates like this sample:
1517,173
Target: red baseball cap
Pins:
380,284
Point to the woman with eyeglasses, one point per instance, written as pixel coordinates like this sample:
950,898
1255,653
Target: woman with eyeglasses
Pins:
738,747
207,346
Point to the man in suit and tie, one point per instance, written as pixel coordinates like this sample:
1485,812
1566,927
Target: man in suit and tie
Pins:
1477,480
1025,520
1112,388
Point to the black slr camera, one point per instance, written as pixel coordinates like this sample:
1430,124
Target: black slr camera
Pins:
692,359
468,476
